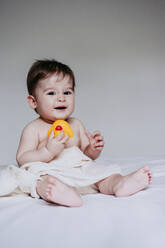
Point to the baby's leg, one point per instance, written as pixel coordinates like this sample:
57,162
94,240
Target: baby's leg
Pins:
121,186
53,190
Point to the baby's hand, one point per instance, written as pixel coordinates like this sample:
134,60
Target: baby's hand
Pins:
96,140
56,145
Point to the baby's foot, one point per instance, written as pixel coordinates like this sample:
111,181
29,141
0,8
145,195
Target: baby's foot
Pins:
133,182
53,190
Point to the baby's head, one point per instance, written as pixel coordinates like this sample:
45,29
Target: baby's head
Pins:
42,69
51,89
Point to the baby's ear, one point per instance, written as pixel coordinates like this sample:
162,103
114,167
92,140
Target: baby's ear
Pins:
32,101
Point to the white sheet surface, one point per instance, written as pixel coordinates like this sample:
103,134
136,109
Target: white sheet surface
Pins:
103,221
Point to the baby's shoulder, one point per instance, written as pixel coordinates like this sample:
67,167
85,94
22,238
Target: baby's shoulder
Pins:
75,122
32,126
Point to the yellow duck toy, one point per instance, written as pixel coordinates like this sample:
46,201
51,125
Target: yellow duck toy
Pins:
60,125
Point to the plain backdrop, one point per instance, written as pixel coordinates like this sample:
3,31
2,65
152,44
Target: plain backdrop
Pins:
116,49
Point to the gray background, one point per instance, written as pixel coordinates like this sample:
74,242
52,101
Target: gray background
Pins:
116,49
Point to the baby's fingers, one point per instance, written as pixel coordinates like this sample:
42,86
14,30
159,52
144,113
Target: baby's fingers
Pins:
88,134
51,136
99,138
96,134
99,144
99,148
63,141
60,136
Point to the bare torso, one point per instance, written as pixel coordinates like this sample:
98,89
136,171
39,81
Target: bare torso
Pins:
43,134
35,137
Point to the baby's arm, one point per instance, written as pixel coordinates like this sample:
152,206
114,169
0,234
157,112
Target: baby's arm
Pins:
28,150
91,145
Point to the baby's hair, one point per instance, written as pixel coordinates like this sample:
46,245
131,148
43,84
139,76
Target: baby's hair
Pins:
41,69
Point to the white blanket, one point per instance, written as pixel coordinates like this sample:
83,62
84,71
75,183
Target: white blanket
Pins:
72,167
104,221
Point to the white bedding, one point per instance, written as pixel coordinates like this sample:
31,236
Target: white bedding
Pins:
103,221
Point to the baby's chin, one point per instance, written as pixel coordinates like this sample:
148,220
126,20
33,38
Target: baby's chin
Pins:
61,117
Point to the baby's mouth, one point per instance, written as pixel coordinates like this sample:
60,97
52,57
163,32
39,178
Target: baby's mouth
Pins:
60,107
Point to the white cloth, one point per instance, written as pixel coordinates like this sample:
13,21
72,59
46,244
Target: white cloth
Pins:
72,167
137,221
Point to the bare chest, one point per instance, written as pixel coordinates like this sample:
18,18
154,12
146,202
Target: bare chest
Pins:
43,137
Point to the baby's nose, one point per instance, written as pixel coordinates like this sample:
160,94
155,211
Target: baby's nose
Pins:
61,98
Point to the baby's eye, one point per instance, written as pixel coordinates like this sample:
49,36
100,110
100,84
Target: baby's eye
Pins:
68,92
51,93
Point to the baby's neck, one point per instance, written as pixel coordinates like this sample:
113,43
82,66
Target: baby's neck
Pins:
49,121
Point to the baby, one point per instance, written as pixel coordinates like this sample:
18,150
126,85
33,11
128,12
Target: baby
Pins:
51,87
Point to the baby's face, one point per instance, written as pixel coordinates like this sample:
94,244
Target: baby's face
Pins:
54,98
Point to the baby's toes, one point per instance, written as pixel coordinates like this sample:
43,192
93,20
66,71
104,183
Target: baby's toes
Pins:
145,169
49,191
149,176
150,179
